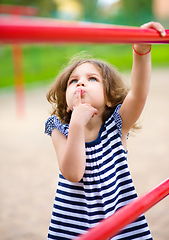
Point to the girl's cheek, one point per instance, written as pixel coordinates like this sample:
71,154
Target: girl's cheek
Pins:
69,100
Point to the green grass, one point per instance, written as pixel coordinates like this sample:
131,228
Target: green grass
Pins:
41,63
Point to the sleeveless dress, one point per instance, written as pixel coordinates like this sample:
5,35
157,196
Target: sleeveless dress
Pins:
105,187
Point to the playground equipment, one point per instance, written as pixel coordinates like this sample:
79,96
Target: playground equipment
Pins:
111,226
25,30
19,30
18,54
18,10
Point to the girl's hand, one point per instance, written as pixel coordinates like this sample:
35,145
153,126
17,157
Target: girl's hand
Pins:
82,112
155,25
144,48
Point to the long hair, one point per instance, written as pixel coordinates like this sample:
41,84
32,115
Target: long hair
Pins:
115,90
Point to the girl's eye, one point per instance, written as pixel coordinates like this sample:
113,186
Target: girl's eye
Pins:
93,79
73,81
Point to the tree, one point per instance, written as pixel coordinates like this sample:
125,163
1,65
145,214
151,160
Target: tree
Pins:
90,9
137,11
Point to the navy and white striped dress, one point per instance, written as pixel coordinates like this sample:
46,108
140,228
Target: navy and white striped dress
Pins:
105,187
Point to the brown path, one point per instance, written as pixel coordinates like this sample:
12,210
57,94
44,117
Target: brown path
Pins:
28,166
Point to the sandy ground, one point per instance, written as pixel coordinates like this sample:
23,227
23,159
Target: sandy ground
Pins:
29,170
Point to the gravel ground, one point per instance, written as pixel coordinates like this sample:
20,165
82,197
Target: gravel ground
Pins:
29,170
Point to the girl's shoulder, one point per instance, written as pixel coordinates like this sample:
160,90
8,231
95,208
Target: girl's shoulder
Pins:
53,122
116,118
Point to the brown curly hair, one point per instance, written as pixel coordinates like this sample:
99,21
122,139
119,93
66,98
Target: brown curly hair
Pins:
114,88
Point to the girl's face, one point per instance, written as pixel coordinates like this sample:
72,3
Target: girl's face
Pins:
87,78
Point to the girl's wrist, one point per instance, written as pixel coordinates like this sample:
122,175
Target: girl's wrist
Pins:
142,50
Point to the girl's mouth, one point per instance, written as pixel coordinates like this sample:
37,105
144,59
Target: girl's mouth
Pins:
81,91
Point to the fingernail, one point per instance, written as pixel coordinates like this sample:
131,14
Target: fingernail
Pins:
163,34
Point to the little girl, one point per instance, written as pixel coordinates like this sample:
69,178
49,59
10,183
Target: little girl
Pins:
92,115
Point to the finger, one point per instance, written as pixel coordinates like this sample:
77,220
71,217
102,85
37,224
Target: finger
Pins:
78,97
155,25
95,112
160,29
162,32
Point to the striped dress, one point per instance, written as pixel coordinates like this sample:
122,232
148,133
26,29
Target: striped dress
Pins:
105,187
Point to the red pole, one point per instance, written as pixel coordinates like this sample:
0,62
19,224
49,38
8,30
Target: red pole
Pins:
18,54
51,31
111,226
18,10
19,79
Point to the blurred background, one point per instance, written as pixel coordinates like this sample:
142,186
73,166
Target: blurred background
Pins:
42,63
28,165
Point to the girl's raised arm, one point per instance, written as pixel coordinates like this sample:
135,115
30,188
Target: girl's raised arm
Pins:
140,81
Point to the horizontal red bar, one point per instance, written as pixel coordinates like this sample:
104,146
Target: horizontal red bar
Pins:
25,30
111,226
18,10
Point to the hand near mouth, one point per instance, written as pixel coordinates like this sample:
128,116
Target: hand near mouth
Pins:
82,112
80,90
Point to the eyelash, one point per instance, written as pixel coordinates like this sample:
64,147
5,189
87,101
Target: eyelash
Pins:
93,78
75,80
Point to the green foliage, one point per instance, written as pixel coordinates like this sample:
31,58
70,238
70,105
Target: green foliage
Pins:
90,10
41,63
46,7
137,7
131,12
136,12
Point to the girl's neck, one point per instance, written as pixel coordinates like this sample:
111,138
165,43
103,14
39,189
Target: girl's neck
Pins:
92,129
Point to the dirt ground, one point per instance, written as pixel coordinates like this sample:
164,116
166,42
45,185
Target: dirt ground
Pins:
29,171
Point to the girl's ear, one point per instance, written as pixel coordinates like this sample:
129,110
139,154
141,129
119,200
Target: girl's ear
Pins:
108,104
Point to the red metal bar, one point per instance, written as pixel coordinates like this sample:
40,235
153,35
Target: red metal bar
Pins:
111,226
18,10
18,55
26,30
19,79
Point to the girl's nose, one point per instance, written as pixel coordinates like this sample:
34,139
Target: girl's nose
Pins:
80,83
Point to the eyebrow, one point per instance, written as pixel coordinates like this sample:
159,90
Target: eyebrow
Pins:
95,74
72,76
